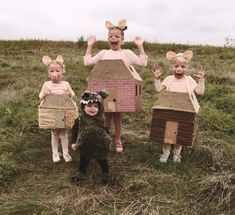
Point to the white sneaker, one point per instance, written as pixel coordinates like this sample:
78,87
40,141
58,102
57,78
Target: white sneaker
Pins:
56,157
67,158
118,146
177,158
163,158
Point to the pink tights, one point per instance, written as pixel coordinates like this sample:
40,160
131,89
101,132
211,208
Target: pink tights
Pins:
117,124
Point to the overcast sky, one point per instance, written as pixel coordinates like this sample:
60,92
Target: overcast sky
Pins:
163,21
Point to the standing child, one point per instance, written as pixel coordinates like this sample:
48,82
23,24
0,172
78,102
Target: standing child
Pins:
56,70
89,135
115,40
178,82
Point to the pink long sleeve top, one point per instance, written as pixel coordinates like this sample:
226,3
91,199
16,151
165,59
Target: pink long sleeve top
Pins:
185,84
56,88
129,57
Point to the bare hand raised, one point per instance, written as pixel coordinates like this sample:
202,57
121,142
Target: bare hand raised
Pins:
138,41
91,40
157,72
200,73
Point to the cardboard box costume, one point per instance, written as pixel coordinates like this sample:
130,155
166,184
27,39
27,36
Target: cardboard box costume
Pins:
123,84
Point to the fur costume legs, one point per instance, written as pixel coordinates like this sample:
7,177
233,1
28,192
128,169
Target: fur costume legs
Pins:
84,161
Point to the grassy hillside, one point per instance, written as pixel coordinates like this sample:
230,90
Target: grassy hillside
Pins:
204,183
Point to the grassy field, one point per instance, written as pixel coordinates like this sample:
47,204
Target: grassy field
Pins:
203,183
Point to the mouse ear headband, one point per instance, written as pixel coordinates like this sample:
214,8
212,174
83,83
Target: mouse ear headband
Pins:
180,57
59,60
121,25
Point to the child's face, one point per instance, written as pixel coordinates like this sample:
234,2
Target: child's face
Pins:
55,72
115,39
91,109
179,69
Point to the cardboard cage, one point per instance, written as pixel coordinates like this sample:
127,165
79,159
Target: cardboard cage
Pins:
175,118
57,111
123,84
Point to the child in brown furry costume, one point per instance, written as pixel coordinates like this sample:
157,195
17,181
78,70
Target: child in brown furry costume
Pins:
89,135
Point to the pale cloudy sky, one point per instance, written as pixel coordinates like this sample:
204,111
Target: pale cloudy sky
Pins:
163,21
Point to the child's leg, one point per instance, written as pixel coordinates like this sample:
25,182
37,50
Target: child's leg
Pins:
177,149
84,161
107,120
54,145
64,142
166,148
166,152
118,130
104,165
105,170
118,126
176,153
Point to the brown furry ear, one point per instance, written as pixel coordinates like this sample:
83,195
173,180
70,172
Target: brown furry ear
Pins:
86,94
108,25
170,55
59,59
122,24
188,55
104,94
46,60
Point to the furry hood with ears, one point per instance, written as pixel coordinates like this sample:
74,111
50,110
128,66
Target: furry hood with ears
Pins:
90,96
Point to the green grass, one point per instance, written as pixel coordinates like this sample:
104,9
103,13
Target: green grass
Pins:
204,183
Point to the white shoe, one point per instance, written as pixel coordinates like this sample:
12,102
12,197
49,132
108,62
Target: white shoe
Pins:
163,158
67,158
56,157
177,158
118,146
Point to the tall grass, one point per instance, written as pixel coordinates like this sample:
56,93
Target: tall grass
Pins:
202,184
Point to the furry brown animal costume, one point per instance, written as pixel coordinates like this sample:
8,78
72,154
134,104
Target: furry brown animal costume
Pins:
93,141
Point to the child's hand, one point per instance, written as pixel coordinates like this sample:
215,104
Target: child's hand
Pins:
74,146
68,93
47,92
138,41
157,72
200,73
91,40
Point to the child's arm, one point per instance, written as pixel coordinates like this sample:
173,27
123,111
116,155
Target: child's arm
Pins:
74,134
69,91
90,42
87,59
139,43
140,60
44,91
201,83
158,73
